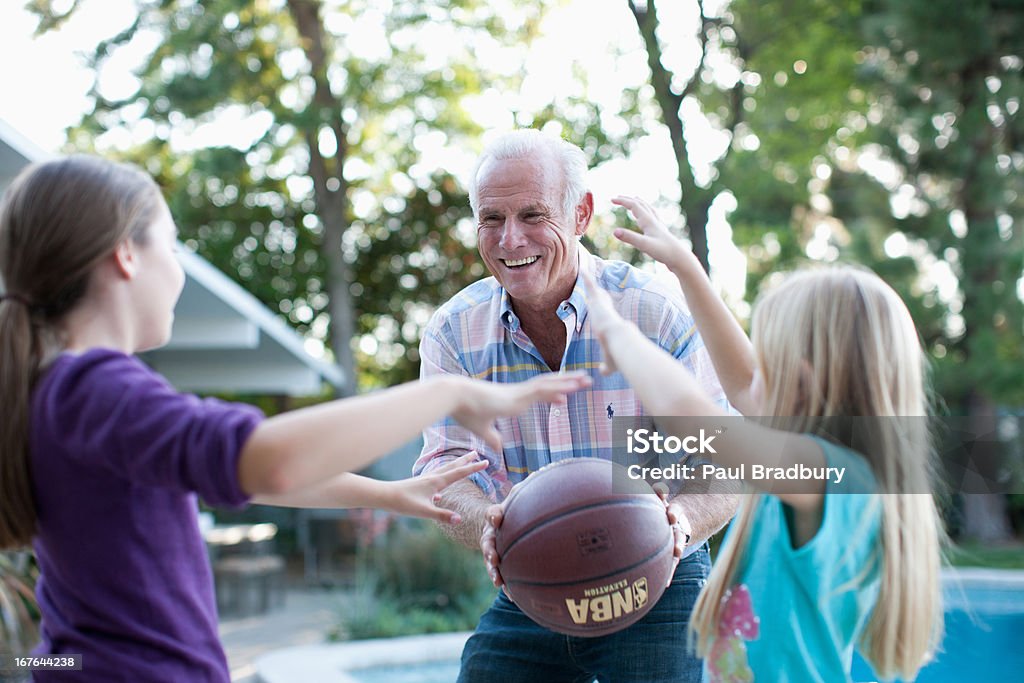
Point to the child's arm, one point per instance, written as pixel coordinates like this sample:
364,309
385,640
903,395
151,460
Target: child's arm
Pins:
415,496
727,344
667,389
295,451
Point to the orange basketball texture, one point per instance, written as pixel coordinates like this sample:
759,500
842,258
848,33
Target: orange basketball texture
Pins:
584,550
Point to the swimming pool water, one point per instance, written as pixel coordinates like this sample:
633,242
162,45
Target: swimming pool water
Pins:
427,672
984,643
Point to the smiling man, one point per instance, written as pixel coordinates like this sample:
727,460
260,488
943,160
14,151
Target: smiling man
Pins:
531,203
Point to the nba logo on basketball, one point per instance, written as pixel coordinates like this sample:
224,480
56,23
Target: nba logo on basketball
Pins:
608,603
640,592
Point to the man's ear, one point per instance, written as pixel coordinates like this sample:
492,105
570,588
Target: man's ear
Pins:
125,260
584,212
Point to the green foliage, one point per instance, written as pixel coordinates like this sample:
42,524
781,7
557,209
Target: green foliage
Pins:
19,613
1010,556
416,582
894,128
371,616
326,211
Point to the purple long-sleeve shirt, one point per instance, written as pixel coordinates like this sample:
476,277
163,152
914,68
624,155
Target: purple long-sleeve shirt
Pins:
117,459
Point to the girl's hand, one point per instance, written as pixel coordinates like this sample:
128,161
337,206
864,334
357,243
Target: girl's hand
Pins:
604,319
419,496
656,241
480,403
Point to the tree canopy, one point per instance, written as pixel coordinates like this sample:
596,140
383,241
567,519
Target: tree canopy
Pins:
884,132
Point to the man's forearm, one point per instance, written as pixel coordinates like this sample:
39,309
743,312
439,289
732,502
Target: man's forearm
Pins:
709,511
469,501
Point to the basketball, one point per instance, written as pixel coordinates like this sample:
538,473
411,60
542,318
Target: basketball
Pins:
584,550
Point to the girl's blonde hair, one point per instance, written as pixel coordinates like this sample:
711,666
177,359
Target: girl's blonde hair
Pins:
833,344
58,220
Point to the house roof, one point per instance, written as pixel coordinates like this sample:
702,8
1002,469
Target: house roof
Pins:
224,339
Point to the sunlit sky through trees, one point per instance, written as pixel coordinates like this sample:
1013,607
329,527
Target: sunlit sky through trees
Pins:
45,89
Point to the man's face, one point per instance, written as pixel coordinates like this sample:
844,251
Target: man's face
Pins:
526,242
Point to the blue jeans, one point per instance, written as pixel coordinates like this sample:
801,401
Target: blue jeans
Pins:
508,647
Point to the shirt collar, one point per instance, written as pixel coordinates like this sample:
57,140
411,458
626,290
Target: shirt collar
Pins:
577,301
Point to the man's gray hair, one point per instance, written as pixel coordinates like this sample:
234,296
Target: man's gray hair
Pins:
517,144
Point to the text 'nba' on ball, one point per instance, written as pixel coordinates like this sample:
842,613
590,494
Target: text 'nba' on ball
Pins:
642,441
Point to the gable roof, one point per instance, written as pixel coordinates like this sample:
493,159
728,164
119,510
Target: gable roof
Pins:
224,339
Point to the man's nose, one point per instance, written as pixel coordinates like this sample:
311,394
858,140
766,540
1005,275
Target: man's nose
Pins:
513,235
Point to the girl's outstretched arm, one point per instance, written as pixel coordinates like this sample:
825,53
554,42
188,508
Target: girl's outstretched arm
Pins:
415,496
295,451
669,391
727,343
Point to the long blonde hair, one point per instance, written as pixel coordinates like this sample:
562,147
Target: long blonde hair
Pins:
857,338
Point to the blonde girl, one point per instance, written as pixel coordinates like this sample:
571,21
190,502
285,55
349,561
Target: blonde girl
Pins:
811,568
101,460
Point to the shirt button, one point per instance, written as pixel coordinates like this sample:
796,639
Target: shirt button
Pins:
558,411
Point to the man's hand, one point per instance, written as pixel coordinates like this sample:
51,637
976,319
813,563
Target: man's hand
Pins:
680,526
492,520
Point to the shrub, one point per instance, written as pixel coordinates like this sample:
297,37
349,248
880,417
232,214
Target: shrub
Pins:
417,582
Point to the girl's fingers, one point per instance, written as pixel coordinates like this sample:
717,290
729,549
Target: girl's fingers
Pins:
559,388
642,212
465,458
646,208
449,517
449,477
634,239
556,385
625,202
434,511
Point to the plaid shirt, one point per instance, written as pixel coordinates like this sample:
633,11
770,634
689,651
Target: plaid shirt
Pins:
477,334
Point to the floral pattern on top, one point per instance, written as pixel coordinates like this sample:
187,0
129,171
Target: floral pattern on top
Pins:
737,623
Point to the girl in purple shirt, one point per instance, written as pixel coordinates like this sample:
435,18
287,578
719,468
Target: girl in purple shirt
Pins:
101,459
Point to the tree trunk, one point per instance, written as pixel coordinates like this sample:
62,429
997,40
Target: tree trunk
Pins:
696,212
331,198
986,515
695,202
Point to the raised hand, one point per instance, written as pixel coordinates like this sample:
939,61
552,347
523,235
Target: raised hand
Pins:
654,239
419,496
481,403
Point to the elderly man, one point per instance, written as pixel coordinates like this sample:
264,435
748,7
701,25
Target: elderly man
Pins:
532,206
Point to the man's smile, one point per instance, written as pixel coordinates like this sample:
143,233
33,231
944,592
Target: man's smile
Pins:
519,263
